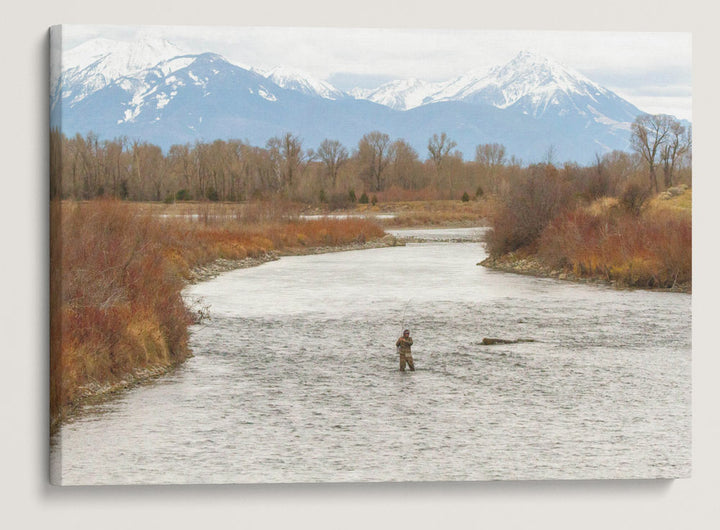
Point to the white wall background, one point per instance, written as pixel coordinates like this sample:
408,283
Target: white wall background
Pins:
27,500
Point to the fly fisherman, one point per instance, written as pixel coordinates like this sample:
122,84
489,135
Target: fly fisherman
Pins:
403,346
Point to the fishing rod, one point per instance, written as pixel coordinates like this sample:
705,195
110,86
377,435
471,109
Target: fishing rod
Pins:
402,329
407,304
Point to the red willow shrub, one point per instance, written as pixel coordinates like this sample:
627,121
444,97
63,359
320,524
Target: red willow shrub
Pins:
117,304
649,250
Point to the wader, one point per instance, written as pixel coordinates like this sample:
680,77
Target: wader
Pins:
403,346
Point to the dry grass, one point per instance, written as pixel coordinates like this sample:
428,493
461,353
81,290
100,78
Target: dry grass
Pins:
117,271
429,213
679,198
653,249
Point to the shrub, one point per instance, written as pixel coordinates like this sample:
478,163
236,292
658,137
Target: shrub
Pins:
525,208
183,195
212,194
633,197
338,201
647,250
364,198
465,197
118,303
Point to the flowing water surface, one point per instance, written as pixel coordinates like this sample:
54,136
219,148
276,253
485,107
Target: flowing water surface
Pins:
295,379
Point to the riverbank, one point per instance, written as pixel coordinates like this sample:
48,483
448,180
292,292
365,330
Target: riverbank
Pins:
533,266
117,272
605,241
211,270
96,391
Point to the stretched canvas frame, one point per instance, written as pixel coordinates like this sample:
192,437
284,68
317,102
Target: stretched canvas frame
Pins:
130,111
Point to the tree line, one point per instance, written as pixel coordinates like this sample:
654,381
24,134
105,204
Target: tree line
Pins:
85,167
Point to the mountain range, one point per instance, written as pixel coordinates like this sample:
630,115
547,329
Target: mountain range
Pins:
151,90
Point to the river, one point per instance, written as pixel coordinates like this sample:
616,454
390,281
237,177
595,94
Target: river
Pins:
295,378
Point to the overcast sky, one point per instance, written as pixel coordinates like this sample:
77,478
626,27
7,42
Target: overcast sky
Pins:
651,70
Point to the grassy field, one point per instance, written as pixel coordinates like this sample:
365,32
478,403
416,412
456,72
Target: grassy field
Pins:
426,213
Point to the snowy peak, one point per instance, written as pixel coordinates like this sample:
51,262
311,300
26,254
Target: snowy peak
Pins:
98,63
458,88
302,82
537,85
399,95
116,59
529,74
529,83
154,90
526,75
543,70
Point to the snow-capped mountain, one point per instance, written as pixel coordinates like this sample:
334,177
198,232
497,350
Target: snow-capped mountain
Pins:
303,82
177,100
152,91
97,63
155,88
399,95
538,85
529,82
116,58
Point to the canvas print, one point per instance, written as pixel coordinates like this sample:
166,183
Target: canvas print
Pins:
301,255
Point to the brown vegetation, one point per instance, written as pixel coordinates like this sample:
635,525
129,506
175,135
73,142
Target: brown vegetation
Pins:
531,200
117,270
631,239
652,249
606,221
413,212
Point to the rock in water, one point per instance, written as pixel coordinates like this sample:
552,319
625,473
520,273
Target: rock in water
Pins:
489,342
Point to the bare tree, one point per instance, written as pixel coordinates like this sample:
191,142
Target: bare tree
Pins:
289,159
149,170
550,155
90,155
374,153
117,165
491,157
649,134
406,169
672,150
180,163
439,148
334,155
